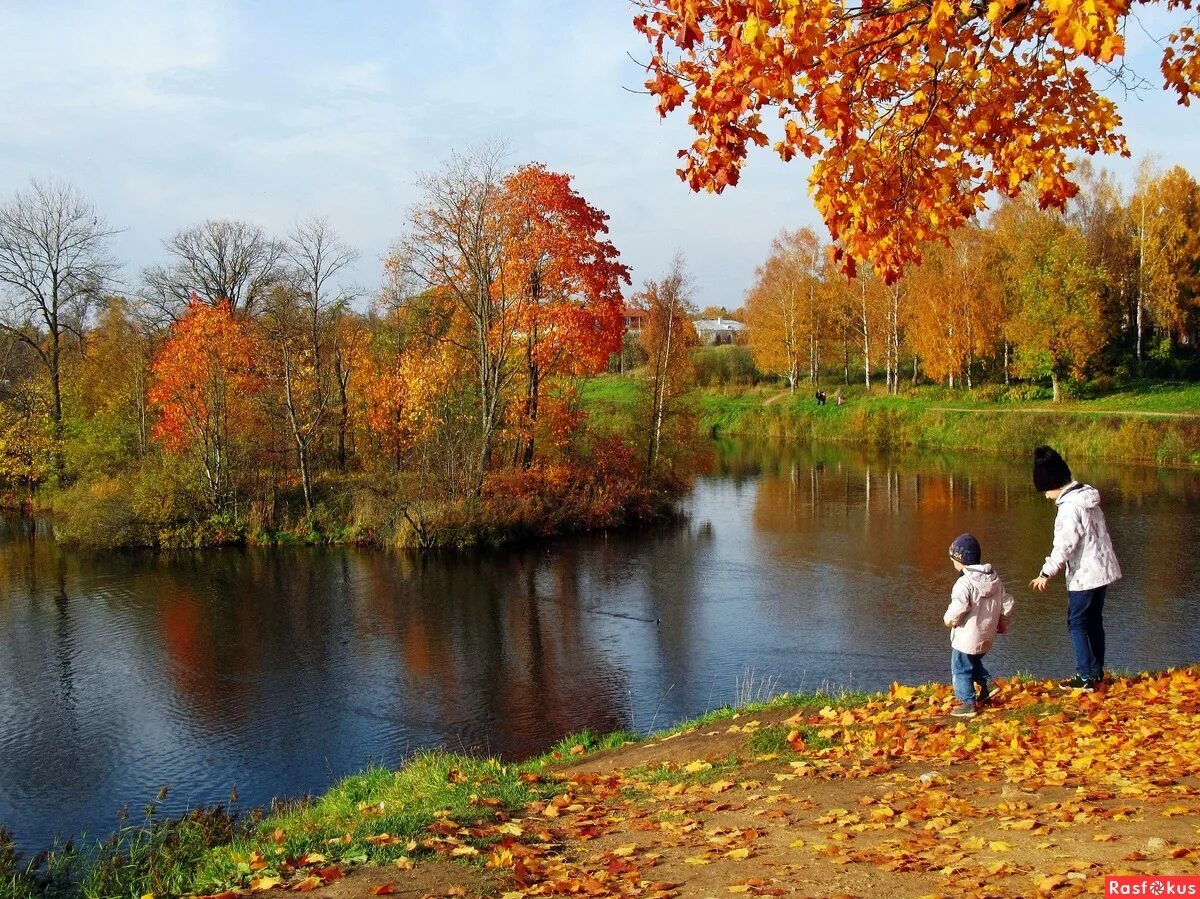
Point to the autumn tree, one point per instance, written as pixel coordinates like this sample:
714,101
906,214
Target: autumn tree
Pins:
299,320
513,270
556,249
1100,212
28,450
784,308
956,314
914,113
109,381
858,306
452,261
1163,215
292,364
218,260
668,338
1058,326
205,380
53,264
349,342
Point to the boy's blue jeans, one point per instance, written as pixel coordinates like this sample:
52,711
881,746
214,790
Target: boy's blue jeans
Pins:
966,671
1085,621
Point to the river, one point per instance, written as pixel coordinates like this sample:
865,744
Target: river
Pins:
277,671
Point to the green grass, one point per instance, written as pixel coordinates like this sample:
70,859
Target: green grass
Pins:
677,774
840,699
935,419
611,402
769,741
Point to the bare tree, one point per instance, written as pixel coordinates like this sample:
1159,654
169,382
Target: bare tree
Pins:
220,259
454,249
302,324
53,264
315,256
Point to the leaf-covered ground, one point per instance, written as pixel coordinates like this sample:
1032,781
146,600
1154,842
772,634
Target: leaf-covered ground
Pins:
1042,794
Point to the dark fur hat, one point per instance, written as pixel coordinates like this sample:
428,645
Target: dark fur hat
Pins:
1049,470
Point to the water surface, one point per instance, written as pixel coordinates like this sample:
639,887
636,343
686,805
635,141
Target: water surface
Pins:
279,671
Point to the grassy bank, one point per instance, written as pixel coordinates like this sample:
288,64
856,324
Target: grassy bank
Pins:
380,817
1158,424
1045,792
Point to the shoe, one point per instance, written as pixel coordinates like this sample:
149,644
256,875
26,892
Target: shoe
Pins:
964,710
985,696
1078,683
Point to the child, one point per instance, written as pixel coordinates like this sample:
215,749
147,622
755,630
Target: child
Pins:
979,608
1081,546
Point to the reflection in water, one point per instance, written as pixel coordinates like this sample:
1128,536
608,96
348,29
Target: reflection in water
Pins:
279,671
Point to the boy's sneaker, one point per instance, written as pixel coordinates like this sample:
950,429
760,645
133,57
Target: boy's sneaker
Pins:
1078,683
985,696
964,710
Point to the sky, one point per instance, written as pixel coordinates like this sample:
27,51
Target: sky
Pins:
165,114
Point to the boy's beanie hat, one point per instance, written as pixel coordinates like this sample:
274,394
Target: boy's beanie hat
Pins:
1049,470
965,549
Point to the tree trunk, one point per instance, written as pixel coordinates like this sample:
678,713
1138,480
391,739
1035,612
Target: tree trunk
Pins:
56,408
298,435
866,335
343,378
1054,385
661,391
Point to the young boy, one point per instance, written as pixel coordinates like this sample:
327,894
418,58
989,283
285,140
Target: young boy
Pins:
1081,546
979,608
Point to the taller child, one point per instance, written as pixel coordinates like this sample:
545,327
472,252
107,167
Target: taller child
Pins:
1081,546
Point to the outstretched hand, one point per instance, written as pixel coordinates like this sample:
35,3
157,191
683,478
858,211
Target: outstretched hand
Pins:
1039,583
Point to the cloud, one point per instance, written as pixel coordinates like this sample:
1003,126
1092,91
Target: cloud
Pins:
96,59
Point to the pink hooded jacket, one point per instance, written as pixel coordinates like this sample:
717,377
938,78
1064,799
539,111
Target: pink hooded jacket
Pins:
979,605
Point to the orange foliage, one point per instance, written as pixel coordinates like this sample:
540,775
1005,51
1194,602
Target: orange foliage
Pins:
204,374
553,231
205,380
914,112
402,398
602,490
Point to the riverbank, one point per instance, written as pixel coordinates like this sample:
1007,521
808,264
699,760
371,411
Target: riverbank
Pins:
548,500
1044,793
1155,423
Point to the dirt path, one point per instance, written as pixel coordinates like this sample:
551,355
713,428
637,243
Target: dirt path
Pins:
770,401
1043,794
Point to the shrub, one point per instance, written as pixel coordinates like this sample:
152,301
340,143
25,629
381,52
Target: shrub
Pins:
724,365
1026,393
99,513
989,393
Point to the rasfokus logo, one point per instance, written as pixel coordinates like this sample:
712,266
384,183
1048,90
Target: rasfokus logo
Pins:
1151,885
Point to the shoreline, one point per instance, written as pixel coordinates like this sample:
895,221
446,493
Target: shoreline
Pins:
1144,437
855,782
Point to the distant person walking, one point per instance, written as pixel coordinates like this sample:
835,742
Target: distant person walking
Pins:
1083,547
979,609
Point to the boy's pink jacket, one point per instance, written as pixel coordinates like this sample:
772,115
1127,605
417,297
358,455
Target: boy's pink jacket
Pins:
978,605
